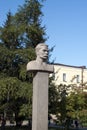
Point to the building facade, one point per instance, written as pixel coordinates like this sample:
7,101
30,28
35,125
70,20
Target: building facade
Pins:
66,74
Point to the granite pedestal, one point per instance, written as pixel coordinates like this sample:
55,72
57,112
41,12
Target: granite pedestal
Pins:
40,101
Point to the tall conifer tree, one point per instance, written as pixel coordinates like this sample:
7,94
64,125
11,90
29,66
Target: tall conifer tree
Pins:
18,36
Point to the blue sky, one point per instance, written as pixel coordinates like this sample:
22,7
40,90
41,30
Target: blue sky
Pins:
66,27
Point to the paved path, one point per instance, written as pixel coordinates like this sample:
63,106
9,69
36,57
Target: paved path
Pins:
56,126
80,128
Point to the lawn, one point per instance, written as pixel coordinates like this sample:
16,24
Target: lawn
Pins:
25,128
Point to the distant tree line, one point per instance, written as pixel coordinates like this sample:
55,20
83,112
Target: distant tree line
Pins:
68,102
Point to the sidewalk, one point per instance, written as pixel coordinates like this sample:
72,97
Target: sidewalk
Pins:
62,127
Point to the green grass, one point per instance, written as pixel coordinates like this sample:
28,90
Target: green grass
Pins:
25,128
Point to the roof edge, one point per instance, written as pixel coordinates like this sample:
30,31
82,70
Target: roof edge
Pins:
82,67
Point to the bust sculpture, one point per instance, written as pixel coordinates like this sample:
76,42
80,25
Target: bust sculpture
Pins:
41,70
40,64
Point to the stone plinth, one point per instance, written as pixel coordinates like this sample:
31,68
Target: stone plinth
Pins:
40,101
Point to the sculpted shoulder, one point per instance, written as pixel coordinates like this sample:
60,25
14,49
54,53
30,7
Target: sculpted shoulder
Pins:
40,64
36,66
31,65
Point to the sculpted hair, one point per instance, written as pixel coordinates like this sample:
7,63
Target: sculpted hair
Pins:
39,46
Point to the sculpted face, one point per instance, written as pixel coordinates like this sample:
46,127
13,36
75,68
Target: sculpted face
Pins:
42,51
40,63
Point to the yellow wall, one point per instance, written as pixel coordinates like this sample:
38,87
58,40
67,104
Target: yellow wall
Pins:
71,74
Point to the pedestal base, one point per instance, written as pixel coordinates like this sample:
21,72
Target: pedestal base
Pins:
40,101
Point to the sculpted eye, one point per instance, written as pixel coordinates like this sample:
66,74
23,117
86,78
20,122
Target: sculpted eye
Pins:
45,50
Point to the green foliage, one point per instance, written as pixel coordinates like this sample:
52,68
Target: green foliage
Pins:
53,99
75,103
83,116
9,33
28,18
85,100
57,100
18,37
63,92
8,86
65,103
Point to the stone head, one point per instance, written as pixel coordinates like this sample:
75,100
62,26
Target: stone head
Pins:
42,51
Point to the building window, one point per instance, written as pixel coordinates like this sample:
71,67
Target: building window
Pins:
64,77
77,78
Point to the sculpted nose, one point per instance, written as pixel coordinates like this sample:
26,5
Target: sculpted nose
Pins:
46,52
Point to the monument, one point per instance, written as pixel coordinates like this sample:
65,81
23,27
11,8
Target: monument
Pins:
41,71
